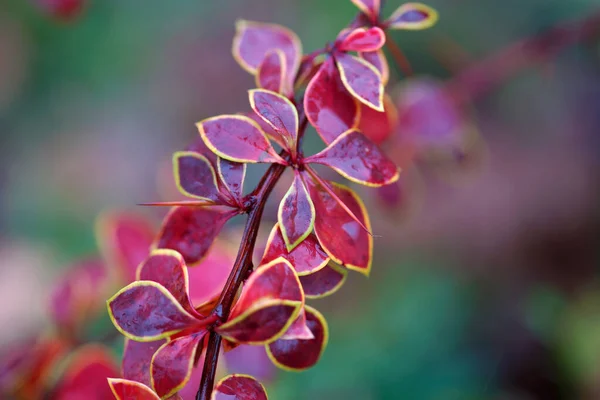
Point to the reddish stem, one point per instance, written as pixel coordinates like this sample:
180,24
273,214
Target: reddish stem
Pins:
242,266
483,75
240,271
398,55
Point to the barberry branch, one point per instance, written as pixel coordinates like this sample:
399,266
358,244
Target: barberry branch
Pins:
241,268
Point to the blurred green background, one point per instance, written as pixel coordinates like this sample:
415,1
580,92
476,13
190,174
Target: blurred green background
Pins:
484,286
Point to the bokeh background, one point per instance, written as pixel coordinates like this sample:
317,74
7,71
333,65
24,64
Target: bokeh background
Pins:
485,283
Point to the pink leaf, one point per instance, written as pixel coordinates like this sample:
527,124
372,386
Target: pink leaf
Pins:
296,214
328,105
173,362
239,387
279,113
191,230
271,73
145,311
323,282
306,258
370,8
342,237
361,79
195,176
357,158
378,60
237,138
253,40
300,354
137,357
363,39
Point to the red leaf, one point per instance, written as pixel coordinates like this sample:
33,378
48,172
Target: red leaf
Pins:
232,175
267,129
300,354
370,8
412,16
195,176
86,374
172,364
343,238
328,105
279,113
239,387
378,126
237,138
271,73
145,311
191,230
253,40
125,240
299,329
127,390
363,39
378,60
208,278
356,158
324,282
296,214
137,357
269,304
26,367
167,267
306,258
361,79
78,294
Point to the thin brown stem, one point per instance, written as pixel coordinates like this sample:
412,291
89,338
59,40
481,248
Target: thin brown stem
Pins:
398,56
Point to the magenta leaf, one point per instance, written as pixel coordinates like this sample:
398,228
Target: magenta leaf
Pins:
363,39
343,238
173,362
328,105
237,138
253,40
239,387
195,176
167,267
361,79
300,354
271,73
370,8
192,230
145,311
124,389
125,240
357,158
323,282
279,113
306,258
137,357
232,174
299,329
378,60
296,214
